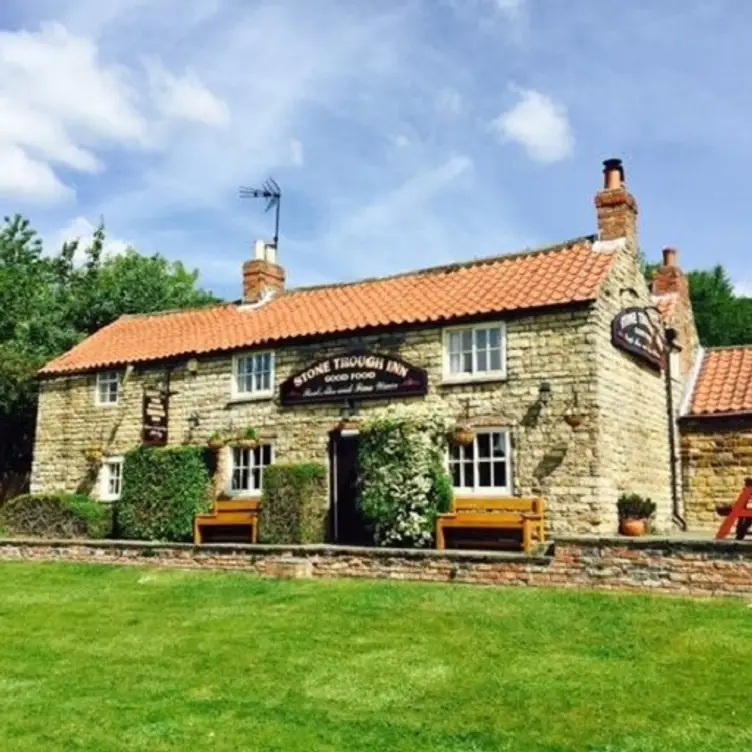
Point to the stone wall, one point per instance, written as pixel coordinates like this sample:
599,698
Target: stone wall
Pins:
716,459
688,568
632,439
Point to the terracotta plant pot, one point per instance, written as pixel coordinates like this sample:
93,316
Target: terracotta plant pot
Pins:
463,435
574,421
632,528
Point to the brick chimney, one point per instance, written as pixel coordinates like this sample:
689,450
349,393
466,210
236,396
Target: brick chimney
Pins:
616,206
262,275
671,284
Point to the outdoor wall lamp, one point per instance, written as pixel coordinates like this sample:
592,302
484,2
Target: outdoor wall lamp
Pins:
544,393
194,420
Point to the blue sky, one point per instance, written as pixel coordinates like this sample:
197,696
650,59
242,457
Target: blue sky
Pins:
403,133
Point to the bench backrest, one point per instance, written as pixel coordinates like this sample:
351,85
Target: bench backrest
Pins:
499,504
236,505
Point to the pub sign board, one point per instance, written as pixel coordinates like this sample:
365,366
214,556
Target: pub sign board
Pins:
155,417
634,331
356,376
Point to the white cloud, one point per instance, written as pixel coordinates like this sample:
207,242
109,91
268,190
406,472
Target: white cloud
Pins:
744,288
510,8
539,125
27,178
296,152
82,229
185,97
401,141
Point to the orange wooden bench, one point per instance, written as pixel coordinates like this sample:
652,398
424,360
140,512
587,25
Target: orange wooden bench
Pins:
507,513
229,513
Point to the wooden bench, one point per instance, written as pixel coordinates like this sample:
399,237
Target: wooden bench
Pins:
229,513
507,513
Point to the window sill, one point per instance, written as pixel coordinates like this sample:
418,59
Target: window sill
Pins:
241,496
109,500
238,399
473,379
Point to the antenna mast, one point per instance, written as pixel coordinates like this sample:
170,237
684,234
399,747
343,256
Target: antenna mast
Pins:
273,195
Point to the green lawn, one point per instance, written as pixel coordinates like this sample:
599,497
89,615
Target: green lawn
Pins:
102,658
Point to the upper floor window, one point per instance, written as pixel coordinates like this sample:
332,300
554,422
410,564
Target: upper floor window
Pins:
247,469
253,375
111,479
483,467
475,352
109,385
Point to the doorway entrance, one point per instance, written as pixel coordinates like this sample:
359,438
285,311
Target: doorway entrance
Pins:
348,525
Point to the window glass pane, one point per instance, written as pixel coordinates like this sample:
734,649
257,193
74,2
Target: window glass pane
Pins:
484,474
455,343
468,451
469,475
455,451
494,360
500,474
467,340
467,363
499,444
482,360
455,363
256,479
494,337
266,454
484,444
455,469
481,338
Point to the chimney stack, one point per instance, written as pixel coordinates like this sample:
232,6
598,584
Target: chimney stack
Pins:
669,256
262,275
616,207
669,278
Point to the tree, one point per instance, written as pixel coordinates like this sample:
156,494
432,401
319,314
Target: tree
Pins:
49,304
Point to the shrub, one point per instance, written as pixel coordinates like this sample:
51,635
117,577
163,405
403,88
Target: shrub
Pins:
56,515
163,490
635,507
293,508
403,483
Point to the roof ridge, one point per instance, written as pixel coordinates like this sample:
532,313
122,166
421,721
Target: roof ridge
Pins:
721,348
453,266
172,311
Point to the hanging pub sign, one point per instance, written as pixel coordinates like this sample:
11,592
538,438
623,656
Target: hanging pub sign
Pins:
634,331
355,375
156,409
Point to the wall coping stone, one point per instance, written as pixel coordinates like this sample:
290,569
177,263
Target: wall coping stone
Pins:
664,542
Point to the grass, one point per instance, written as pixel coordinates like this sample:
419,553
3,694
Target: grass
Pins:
102,658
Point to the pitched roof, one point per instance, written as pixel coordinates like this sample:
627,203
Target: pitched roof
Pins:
559,275
724,383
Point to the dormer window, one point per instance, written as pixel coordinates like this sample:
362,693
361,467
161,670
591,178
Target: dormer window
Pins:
475,353
253,376
109,386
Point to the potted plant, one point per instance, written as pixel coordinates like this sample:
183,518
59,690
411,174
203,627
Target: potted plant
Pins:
723,510
247,439
634,512
463,434
216,441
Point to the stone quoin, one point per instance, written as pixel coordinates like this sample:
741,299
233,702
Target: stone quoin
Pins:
521,348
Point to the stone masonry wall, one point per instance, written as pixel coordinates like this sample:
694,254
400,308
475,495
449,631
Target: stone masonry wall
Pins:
633,443
687,568
716,457
550,458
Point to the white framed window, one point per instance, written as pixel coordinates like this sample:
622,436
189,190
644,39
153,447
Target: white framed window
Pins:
247,469
483,468
111,479
109,386
253,375
475,353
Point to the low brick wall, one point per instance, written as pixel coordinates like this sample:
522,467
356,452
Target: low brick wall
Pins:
658,565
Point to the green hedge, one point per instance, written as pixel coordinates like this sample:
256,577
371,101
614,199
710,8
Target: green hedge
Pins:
56,515
163,490
294,505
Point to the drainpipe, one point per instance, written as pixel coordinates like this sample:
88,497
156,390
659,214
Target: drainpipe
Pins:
676,511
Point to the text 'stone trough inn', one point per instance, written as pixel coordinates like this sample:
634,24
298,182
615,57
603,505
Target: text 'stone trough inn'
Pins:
580,381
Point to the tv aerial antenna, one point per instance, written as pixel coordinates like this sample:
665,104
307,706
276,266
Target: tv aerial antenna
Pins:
272,193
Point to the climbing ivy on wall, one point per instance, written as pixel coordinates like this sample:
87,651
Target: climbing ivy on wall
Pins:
403,482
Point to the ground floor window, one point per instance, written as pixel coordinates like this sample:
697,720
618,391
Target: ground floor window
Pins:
247,468
111,479
483,467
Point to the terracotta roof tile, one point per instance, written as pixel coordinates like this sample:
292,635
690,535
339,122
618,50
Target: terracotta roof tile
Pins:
666,305
724,384
561,275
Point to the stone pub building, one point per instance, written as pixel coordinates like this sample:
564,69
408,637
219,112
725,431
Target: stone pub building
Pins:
557,358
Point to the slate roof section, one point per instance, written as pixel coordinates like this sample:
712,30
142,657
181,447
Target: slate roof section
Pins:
724,383
560,275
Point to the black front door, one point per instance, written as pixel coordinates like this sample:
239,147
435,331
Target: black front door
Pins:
349,526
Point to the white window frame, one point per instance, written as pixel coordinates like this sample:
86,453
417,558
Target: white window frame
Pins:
105,494
488,491
463,378
254,394
110,376
253,492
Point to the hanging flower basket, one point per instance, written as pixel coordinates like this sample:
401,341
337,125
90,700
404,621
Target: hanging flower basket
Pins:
574,420
463,435
723,510
245,443
93,454
216,442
